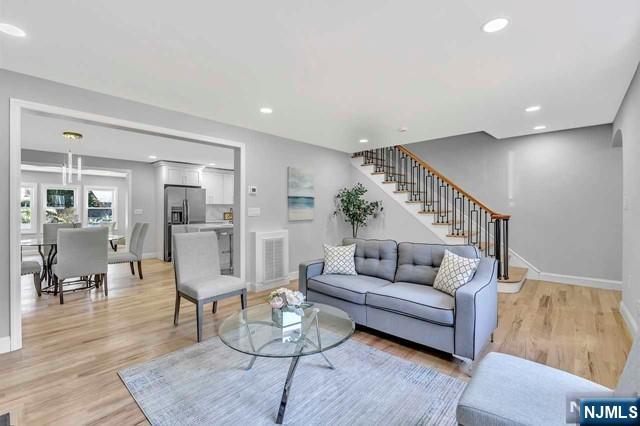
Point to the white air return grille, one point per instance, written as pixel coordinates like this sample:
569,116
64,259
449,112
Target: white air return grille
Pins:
272,258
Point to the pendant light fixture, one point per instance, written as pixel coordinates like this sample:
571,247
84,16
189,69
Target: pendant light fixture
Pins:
67,169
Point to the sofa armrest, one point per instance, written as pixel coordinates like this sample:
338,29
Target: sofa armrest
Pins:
477,310
307,270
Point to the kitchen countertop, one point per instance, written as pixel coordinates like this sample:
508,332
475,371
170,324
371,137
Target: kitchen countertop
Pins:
213,225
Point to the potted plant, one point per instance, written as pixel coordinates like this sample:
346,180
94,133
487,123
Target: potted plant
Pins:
356,210
286,306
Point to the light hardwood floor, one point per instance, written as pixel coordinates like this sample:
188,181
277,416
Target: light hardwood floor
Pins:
67,371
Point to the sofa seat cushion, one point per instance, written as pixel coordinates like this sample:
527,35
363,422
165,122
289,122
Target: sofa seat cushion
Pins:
352,288
415,300
506,390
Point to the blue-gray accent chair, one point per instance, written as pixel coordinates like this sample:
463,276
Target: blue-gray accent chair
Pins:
393,293
506,390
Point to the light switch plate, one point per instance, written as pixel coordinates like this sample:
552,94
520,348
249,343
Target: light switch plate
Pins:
253,211
137,211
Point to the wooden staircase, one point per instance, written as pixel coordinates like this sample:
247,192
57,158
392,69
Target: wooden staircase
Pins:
467,220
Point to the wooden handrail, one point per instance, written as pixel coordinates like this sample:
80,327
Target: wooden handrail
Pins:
494,215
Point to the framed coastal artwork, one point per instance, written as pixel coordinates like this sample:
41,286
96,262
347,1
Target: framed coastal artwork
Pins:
300,194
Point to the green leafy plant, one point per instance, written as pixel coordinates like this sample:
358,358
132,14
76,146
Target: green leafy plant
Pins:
351,204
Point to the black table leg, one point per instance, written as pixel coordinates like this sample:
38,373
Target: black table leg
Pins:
114,245
287,388
44,275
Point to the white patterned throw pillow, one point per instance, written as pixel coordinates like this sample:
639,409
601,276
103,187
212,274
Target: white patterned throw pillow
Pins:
340,260
455,271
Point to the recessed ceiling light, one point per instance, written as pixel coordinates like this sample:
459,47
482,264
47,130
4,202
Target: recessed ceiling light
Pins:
212,164
266,110
364,140
11,30
541,127
533,108
495,25
72,135
403,129
153,157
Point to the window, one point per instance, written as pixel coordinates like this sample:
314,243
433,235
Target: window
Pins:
101,205
28,208
60,204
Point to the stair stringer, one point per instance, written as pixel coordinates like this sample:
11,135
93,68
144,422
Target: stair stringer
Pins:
440,232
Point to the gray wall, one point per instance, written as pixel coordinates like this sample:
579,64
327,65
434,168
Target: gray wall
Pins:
394,223
267,159
566,192
628,123
142,186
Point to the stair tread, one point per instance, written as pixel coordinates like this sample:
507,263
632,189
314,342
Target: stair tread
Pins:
516,274
461,235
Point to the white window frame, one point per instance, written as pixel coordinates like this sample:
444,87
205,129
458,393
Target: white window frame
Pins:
85,203
43,198
34,207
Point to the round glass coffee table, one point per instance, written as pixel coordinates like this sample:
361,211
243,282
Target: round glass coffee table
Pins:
260,332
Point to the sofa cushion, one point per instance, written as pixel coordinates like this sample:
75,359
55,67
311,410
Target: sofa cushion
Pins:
351,288
507,390
376,258
415,300
419,263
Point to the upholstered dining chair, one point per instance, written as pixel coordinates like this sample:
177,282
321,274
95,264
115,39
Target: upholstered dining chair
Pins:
81,253
135,246
49,238
31,267
196,261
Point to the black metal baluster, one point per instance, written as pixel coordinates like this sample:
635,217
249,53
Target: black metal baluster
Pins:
505,272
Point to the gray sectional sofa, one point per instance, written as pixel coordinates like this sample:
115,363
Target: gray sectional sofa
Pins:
393,293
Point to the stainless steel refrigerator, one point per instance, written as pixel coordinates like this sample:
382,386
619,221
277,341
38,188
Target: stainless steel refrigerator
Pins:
182,205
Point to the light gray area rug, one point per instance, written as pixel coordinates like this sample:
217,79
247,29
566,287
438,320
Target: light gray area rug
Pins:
207,384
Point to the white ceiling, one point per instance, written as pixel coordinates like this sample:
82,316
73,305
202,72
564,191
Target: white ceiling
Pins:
338,71
44,133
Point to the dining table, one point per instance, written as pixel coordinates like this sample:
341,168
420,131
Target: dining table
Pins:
48,250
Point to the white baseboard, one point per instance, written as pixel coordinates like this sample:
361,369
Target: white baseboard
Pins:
5,344
631,323
257,287
151,256
581,281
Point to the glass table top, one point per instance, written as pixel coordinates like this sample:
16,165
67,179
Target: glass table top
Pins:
257,330
39,240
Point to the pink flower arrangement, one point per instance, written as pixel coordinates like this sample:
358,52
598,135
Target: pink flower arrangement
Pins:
283,298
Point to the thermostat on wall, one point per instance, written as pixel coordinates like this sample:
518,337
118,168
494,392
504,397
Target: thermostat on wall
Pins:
253,190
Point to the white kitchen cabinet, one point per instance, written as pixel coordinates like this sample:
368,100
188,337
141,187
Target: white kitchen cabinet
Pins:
227,189
173,176
213,183
192,177
219,186
181,175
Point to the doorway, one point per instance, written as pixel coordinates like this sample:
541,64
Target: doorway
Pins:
20,109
